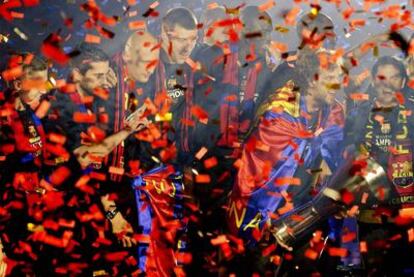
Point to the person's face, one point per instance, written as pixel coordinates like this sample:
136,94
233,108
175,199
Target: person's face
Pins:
32,85
143,63
328,84
387,82
181,42
95,77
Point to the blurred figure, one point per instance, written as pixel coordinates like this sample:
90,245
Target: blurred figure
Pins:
383,129
94,143
28,163
263,187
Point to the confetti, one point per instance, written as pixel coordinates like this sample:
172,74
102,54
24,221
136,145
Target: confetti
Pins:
288,180
266,6
137,25
203,178
92,39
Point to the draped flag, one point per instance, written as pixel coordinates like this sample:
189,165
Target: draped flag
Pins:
282,140
159,198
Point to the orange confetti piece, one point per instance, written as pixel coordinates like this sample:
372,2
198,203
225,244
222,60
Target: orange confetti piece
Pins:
116,170
357,23
57,138
131,2
288,180
410,233
79,117
311,254
219,240
279,46
203,178
154,5
407,212
200,154
267,6
43,108
12,73
363,248
290,18
193,64
134,25
92,39
17,15
213,6
287,208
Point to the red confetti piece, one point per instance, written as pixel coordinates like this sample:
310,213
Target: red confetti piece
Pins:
400,98
116,256
59,175
200,114
338,252
97,176
348,237
268,250
31,3
359,96
211,162
54,53
347,197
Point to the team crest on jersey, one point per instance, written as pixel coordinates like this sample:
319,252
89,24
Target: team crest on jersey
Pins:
402,173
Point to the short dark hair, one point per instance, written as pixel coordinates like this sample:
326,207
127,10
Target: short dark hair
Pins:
389,60
180,16
87,55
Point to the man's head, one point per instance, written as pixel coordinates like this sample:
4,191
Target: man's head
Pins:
214,29
90,69
317,31
179,34
389,76
257,28
327,78
141,54
32,84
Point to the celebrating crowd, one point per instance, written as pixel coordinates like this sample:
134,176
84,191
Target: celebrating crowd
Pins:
208,150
